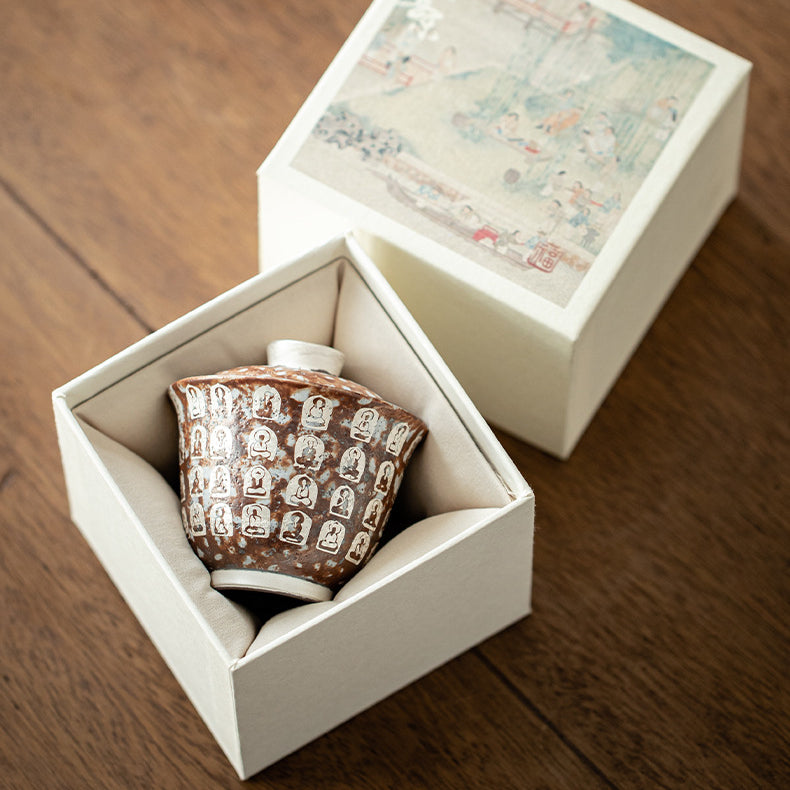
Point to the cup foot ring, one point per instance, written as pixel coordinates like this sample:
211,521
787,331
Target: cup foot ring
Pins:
268,581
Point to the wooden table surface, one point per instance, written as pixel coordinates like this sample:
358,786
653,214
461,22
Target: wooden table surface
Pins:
657,653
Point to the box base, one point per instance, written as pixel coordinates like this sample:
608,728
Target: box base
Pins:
267,581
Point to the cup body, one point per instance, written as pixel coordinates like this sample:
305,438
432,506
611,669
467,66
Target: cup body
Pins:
287,476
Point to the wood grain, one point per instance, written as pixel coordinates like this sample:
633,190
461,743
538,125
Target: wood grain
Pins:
658,650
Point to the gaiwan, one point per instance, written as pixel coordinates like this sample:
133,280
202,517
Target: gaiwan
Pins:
288,472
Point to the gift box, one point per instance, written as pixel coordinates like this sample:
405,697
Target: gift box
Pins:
532,178
454,566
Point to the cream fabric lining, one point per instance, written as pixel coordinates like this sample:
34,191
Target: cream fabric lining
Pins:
133,428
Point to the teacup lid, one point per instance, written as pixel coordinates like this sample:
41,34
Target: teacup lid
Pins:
301,355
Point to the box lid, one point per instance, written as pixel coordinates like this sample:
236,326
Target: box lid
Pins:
520,147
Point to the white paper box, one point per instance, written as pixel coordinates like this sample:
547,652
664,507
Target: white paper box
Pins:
606,136
458,574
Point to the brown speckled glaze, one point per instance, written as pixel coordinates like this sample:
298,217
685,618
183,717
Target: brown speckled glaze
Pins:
292,472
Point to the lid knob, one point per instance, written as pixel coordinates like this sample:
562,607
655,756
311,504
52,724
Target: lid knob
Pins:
301,355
